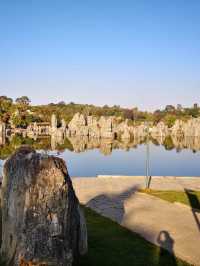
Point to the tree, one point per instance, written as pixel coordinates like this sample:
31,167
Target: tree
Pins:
128,114
194,112
24,100
61,103
5,108
16,120
170,120
168,143
179,107
5,103
158,116
170,108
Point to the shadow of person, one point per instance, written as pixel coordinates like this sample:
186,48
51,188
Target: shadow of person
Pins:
195,205
111,205
165,241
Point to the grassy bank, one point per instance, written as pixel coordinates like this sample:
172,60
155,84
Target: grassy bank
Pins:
112,245
188,197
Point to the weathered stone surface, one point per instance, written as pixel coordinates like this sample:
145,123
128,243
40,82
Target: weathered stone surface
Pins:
2,133
126,135
190,128
139,131
63,124
160,130
42,223
53,121
81,125
109,127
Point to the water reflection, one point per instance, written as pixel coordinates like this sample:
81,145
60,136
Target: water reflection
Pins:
89,154
105,146
76,144
81,144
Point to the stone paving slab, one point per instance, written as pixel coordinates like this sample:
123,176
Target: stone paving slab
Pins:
157,182
174,227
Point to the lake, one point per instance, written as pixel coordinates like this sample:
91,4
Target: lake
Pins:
104,157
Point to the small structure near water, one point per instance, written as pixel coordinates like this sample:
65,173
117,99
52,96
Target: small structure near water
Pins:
39,129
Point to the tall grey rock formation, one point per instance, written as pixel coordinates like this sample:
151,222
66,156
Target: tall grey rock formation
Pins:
42,223
2,133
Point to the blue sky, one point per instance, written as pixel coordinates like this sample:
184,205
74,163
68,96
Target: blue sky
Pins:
132,53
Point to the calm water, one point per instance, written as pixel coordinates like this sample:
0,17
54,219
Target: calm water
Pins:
132,162
92,159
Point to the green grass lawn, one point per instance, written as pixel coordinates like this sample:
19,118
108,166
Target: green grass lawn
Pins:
112,245
189,197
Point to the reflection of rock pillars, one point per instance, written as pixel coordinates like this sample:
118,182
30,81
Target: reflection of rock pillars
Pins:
81,144
56,140
126,135
2,133
106,147
63,127
63,124
53,142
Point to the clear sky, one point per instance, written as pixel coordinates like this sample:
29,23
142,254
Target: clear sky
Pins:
129,52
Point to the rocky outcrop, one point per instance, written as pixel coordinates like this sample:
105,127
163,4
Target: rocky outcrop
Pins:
90,126
55,130
107,127
126,135
160,130
111,127
78,126
2,133
190,128
53,122
42,223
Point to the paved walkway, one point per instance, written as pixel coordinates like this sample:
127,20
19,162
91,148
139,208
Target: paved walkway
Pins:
157,182
175,227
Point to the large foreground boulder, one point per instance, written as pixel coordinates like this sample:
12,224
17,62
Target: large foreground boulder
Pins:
42,223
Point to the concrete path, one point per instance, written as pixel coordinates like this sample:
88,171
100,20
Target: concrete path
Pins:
157,182
175,227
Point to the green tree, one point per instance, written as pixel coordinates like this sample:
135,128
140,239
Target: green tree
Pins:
23,100
168,143
16,120
170,120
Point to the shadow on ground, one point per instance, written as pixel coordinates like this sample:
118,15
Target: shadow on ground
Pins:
112,205
195,205
167,242
112,245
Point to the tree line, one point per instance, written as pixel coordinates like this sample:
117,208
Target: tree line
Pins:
20,112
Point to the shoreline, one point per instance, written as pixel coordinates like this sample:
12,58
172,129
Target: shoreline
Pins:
136,176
